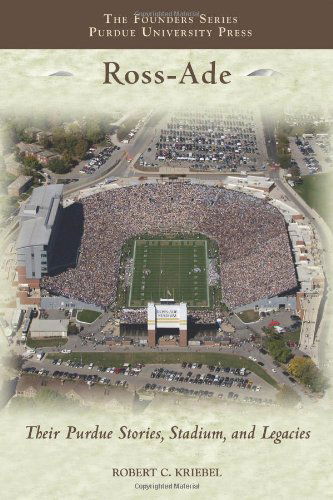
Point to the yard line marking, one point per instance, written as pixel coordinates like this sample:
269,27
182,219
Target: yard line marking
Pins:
207,271
130,294
179,270
159,278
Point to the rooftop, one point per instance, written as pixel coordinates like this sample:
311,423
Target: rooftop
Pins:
49,325
47,154
38,215
28,148
20,181
250,181
286,301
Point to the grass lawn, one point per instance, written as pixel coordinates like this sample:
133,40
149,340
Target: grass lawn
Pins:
316,190
87,316
248,316
175,269
106,359
54,342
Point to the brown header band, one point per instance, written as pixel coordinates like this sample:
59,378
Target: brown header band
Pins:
104,24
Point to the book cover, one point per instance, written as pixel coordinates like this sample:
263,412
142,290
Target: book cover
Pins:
165,218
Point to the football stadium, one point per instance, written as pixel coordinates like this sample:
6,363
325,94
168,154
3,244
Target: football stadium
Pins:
170,226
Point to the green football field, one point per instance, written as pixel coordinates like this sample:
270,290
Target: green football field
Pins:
170,269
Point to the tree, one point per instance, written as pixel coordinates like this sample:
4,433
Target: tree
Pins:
59,139
269,331
81,148
285,354
72,329
68,159
284,159
298,366
277,346
31,165
94,132
295,171
317,381
305,370
279,350
59,166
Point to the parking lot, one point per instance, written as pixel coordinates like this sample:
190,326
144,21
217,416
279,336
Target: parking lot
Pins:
95,160
187,379
216,381
311,154
222,140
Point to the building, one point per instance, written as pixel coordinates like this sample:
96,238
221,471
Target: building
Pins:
271,304
39,223
42,135
167,171
17,319
43,156
31,133
20,185
28,149
297,217
13,167
309,308
167,317
48,328
250,182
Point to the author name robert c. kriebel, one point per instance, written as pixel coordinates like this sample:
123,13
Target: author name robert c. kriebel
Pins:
183,472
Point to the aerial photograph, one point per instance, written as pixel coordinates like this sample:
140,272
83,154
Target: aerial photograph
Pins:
156,257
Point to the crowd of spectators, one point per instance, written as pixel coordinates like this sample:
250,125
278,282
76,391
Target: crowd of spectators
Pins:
255,255
205,316
198,316
133,316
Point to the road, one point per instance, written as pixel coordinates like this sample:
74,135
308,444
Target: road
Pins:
124,158
246,350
